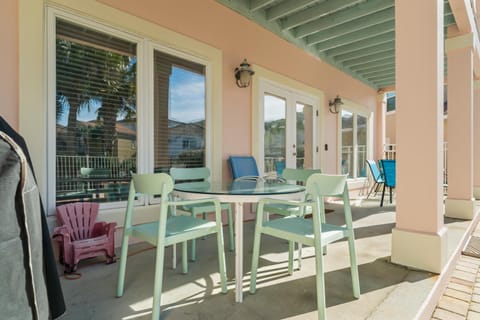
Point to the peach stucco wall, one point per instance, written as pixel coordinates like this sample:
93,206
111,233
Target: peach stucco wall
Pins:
239,38
9,57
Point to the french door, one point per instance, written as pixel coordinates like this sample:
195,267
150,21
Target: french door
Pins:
288,119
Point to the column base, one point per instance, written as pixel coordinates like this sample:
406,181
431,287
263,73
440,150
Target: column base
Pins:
420,250
460,208
476,192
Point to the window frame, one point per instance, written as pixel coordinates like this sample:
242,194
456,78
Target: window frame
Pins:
265,78
355,109
292,97
145,120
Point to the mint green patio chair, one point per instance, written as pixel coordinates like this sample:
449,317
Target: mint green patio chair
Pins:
166,230
313,232
298,176
180,175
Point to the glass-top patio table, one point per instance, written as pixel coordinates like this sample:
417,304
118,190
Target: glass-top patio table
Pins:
238,192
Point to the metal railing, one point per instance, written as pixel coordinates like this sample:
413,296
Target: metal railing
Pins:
68,170
270,163
347,165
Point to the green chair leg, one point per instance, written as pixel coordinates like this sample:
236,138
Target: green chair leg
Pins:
184,258
157,287
230,229
122,266
354,268
193,253
255,256
256,249
291,248
221,259
300,246
320,281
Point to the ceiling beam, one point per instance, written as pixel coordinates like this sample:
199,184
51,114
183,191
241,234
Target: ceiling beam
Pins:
448,20
370,58
285,8
464,16
379,78
326,30
259,4
465,20
387,46
365,27
362,43
387,69
322,44
316,12
389,61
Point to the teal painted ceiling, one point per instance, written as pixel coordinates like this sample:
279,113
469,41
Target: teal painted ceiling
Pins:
355,36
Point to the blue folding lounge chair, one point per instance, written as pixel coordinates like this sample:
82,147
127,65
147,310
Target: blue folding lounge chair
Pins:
376,175
389,174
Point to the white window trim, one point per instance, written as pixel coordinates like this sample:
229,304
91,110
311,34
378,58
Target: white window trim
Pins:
191,50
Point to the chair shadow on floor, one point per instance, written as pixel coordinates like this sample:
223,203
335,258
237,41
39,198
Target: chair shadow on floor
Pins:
376,275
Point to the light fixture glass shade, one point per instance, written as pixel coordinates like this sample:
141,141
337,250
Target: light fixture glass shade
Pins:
335,104
243,74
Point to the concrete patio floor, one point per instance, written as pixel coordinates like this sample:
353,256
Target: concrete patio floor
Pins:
388,291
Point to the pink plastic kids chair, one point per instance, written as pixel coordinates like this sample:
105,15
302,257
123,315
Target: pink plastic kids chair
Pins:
80,236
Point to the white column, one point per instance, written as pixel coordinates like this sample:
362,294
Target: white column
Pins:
460,202
419,237
380,124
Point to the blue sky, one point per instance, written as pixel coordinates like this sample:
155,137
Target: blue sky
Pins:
187,95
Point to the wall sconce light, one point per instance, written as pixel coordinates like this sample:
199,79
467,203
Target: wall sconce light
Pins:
334,105
243,74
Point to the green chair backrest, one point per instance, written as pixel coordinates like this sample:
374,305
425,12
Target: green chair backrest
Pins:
299,175
326,185
179,174
152,183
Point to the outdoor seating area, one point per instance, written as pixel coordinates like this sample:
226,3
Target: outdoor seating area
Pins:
240,159
388,291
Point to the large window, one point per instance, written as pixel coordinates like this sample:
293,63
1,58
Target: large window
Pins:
109,122
96,134
179,113
354,144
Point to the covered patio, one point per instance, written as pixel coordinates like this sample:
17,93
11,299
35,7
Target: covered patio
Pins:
304,54
389,291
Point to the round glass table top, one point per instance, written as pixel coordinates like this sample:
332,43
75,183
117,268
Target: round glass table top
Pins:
239,187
